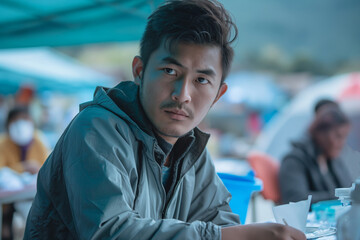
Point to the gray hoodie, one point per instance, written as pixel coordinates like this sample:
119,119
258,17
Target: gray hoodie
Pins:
103,180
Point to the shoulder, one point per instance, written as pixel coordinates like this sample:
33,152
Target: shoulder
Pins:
205,162
5,141
96,126
94,114
298,159
97,137
95,120
3,138
302,149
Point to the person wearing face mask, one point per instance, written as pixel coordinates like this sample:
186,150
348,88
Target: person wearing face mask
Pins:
313,166
21,150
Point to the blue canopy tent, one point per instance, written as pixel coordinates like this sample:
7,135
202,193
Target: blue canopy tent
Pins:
61,23
46,70
39,23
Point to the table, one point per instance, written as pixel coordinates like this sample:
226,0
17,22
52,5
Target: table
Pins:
26,193
313,222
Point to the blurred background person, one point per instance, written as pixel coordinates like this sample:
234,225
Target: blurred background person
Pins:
20,147
313,166
349,157
21,150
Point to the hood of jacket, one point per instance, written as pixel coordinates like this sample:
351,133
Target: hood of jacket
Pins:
124,101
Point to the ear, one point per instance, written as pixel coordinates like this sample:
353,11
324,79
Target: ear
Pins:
137,69
222,90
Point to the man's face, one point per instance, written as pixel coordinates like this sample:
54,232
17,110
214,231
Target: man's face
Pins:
179,86
333,140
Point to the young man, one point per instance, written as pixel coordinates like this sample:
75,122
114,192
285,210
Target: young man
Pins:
132,164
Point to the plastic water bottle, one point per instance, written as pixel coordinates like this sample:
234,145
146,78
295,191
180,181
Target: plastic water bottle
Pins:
348,224
344,195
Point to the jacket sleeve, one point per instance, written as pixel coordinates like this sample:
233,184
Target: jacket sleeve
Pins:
211,199
294,182
99,190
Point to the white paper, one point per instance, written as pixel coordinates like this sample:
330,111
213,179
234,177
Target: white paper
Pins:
293,214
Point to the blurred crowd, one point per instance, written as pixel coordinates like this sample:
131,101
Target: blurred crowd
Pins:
29,128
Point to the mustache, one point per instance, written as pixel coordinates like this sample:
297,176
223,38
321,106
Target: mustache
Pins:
180,106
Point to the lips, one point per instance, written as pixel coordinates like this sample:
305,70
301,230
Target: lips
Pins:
177,114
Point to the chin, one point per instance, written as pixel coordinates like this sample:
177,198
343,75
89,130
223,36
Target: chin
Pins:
174,132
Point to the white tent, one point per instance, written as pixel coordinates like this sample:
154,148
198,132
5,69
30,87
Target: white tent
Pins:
293,120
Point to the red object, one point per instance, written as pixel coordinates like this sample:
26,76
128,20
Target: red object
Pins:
25,95
352,91
266,169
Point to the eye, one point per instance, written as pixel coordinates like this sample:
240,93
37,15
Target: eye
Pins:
169,71
202,80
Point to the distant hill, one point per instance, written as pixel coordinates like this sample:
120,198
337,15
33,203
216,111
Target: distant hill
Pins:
326,30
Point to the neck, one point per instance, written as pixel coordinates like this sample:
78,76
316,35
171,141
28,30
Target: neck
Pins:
169,139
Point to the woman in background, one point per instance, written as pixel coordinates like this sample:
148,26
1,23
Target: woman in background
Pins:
313,166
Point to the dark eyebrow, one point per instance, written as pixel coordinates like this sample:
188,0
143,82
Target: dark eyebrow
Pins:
209,72
172,61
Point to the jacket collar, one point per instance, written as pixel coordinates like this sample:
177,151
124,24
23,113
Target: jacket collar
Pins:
308,146
123,100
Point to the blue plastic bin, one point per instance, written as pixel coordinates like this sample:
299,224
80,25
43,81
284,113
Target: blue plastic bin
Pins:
241,188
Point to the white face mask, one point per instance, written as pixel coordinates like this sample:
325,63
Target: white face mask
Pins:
21,132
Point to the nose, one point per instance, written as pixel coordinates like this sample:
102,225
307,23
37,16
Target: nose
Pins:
181,91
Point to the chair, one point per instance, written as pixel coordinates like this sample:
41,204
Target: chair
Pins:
266,169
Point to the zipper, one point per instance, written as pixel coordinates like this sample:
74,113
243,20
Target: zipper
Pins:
182,175
172,197
163,195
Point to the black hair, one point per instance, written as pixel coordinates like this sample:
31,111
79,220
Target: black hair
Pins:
327,118
323,102
14,112
190,21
